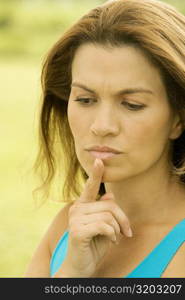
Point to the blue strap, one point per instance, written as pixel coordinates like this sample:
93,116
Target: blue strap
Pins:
152,266
157,261
59,254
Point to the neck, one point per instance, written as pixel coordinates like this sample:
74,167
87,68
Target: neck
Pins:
149,198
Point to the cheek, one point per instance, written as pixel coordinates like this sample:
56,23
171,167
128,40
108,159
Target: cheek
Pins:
79,123
152,128
73,119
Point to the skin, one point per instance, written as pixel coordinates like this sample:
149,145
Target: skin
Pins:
139,178
144,197
93,227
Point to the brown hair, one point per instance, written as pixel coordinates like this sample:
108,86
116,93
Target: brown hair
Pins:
153,26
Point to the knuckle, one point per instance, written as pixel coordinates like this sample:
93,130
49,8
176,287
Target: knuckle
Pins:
107,216
111,230
106,228
111,205
89,184
76,234
72,231
71,210
74,208
79,237
75,220
71,223
118,230
101,226
126,221
116,227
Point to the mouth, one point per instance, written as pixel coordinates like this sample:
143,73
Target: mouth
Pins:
103,155
103,152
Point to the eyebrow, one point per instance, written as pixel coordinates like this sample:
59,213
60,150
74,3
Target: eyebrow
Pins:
126,91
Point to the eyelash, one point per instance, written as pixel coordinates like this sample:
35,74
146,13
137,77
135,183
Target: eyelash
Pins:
133,107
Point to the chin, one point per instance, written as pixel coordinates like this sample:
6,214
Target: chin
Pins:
113,177
111,173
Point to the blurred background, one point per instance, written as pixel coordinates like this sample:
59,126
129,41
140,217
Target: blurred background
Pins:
28,28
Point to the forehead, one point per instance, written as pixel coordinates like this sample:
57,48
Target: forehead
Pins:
116,67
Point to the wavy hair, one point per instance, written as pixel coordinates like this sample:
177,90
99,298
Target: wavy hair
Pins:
158,29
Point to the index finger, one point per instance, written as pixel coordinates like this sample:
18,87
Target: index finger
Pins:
92,184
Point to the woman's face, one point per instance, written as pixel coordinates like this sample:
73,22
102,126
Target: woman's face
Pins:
139,123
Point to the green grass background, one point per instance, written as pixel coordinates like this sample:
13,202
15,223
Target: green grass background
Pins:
27,29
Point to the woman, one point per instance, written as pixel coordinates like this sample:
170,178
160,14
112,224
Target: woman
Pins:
114,93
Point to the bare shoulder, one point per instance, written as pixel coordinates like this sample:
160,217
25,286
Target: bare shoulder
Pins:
176,267
58,226
39,265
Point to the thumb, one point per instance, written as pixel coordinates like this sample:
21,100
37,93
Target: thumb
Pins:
107,196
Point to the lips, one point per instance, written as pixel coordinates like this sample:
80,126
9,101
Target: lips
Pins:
103,149
103,152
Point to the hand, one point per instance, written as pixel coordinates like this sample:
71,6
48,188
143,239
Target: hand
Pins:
93,226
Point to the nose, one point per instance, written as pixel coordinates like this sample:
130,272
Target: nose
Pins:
106,122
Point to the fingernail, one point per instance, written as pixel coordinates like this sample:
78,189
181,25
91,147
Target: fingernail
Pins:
97,161
117,242
129,232
108,195
114,239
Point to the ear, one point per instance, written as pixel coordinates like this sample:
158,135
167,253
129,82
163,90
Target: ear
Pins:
177,127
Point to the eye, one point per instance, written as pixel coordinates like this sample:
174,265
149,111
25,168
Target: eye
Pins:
132,106
84,101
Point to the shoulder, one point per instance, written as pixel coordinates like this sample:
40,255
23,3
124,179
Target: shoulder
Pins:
176,267
40,262
58,226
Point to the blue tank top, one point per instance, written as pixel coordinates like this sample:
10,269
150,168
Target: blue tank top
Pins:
151,267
